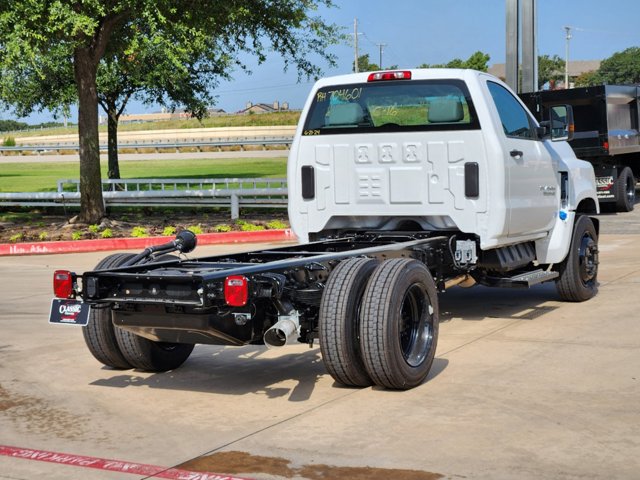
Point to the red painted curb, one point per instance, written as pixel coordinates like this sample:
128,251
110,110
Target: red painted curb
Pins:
48,248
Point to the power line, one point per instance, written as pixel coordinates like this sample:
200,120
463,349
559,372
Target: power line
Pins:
607,32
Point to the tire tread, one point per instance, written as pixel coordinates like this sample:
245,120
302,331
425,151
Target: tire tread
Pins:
99,334
340,352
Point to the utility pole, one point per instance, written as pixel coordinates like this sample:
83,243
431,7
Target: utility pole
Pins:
566,57
355,43
380,46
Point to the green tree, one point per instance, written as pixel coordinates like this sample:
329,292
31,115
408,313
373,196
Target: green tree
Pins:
621,67
365,65
550,69
154,71
587,79
41,39
477,61
9,125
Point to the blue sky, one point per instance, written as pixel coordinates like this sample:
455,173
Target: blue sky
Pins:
436,31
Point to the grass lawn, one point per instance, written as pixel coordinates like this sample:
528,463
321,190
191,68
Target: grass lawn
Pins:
42,176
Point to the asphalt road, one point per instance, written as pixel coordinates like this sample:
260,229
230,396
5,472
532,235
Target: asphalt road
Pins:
524,386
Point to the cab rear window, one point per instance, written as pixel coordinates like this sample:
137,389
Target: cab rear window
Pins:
404,105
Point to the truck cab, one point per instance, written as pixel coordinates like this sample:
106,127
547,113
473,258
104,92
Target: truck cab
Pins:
434,149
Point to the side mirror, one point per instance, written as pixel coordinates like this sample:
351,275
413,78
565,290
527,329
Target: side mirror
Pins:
560,123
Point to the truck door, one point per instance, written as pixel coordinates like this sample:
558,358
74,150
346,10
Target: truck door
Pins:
532,194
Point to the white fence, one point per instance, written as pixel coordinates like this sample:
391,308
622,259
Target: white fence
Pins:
232,193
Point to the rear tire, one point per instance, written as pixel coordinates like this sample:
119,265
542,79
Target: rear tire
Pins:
339,325
148,355
399,324
625,191
99,334
578,279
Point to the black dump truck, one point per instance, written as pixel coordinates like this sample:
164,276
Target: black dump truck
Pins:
606,119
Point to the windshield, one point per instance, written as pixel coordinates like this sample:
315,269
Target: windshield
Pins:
391,106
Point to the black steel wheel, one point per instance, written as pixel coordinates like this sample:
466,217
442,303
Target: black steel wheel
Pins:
399,324
625,191
99,334
339,326
578,279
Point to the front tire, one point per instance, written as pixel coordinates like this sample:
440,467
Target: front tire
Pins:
578,279
399,324
339,327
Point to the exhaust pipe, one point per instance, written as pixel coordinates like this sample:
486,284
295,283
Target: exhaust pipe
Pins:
285,329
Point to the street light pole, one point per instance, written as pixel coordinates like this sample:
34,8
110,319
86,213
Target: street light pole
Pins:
355,44
566,62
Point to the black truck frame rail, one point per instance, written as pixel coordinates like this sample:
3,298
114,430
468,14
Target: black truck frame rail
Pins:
188,301
235,299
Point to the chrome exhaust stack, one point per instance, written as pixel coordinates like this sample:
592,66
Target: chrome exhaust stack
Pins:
286,329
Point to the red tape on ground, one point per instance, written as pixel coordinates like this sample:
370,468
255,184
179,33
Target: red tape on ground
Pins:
43,248
110,465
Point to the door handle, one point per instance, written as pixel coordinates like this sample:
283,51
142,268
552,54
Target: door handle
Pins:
516,153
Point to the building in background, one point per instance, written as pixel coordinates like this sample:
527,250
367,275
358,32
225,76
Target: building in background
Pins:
265,107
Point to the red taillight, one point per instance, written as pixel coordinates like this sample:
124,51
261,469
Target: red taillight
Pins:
63,284
605,145
236,290
381,76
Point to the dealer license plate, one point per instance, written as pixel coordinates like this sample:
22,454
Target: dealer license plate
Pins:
69,312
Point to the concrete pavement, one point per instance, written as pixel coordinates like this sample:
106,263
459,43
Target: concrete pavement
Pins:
524,386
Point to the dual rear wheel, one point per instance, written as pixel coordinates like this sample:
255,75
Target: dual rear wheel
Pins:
378,323
120,349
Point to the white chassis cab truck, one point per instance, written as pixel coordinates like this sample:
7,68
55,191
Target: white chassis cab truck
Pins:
401,184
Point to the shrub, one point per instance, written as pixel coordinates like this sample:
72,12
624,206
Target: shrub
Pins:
168,231
94,228
139,232
43,236
107,233
223,227
250,227
18,237
77,235
276,225
9,142
197,229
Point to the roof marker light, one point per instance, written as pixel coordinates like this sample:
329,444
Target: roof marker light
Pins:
396,75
